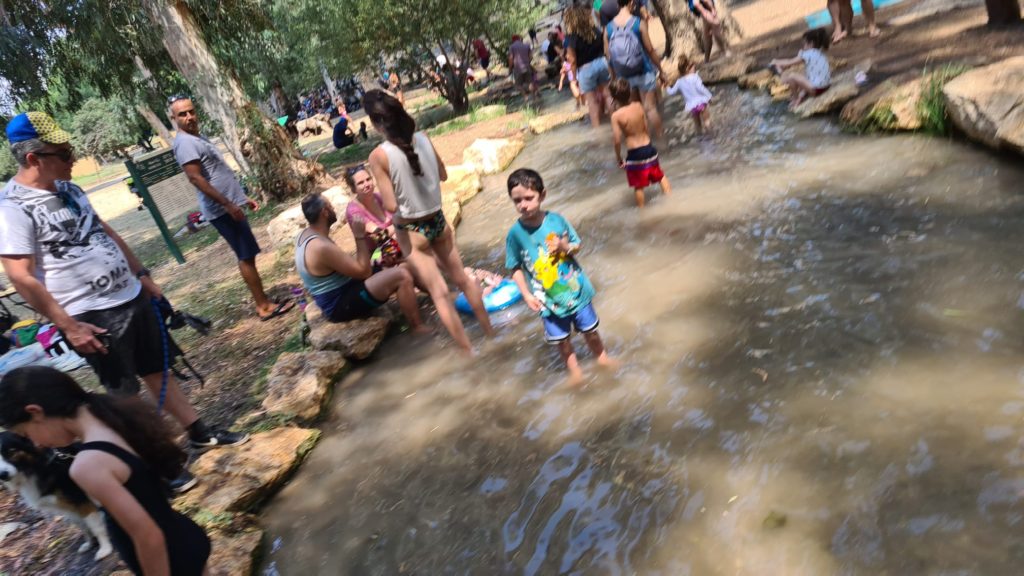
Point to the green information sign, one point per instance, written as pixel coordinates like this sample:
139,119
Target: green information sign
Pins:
165,191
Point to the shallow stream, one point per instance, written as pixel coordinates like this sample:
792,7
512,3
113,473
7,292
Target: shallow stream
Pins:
821,337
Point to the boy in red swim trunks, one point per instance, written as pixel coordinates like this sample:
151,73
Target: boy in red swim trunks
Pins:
629,122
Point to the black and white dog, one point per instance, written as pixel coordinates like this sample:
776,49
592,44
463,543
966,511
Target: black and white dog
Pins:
42,478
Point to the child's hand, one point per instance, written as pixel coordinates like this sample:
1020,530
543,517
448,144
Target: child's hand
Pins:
532,302
556,244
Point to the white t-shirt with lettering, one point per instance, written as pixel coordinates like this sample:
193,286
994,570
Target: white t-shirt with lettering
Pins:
80,265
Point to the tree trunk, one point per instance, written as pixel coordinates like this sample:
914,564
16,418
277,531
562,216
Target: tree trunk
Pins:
684,32
259,145
329,82
154,122
1002,11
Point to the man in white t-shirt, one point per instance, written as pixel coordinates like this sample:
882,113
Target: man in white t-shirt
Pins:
72,267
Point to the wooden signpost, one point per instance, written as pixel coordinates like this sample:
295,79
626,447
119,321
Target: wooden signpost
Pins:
165,191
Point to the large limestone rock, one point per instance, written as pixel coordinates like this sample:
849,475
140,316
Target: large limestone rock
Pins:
356,340
988,104
490,156
463,182
759,80
286,226
547,122
892,105
235,551
237,479
300,383
843,89
726,69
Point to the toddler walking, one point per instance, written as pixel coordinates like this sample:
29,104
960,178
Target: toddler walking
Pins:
630,123
817,76
540,252
694,93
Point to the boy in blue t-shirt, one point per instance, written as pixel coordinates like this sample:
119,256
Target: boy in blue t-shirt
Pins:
539,251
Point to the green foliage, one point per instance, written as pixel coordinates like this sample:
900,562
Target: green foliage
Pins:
348,155
8,167
103,126
931,108
879,119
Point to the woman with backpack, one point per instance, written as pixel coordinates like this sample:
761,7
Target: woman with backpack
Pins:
627,44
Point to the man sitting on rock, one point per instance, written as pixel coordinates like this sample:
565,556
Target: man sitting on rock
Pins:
344,287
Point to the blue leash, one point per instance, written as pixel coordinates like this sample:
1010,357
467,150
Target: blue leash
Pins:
167,354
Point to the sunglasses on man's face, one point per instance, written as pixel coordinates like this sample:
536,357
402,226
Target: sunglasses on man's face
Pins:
64,154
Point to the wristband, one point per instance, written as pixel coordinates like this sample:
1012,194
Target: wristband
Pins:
142,272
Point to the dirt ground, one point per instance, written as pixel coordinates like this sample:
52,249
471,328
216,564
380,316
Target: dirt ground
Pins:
239,351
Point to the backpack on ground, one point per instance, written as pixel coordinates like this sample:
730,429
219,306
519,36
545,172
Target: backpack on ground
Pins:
625,49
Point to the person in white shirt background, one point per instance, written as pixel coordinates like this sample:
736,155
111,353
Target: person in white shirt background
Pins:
817,76
695,95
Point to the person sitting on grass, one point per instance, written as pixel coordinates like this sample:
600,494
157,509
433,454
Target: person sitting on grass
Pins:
345,288
817,76
629,123
343,135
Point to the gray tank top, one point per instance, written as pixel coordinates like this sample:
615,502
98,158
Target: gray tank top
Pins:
417,196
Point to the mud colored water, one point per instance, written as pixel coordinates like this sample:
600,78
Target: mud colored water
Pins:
823,373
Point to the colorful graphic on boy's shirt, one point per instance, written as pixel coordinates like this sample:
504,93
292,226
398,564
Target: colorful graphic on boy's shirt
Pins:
556,280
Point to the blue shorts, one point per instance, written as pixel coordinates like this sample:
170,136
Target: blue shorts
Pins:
645,82
593,74
559,328
238,235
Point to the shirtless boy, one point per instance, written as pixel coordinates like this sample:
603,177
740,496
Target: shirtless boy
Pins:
630,123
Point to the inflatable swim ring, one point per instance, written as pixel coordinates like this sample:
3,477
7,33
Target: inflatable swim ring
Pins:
504,295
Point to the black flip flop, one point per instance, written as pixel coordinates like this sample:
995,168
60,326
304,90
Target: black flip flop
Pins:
282,308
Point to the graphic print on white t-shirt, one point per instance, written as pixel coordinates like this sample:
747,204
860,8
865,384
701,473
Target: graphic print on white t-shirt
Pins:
80,265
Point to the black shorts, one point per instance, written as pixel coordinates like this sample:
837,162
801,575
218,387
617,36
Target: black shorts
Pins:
353,301
238,235
135,346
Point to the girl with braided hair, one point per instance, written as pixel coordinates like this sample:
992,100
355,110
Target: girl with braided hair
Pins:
409,173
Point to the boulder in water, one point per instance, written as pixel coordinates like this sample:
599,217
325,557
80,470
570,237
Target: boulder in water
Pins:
237,479
987,104
490,156
726,68
892,105
300,383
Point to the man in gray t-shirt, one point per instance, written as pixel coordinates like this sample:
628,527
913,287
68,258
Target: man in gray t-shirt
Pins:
221,199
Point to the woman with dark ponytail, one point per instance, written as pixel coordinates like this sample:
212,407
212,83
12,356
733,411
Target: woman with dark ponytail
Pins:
128,454
409,174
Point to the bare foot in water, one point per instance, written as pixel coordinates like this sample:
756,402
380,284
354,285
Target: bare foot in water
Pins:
575,379
608,363
420,330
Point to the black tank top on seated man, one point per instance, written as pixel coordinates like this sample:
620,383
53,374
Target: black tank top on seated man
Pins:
188,546
587,52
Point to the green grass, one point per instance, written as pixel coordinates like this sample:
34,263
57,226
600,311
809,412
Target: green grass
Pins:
529,113
108,172
348,155
476,114
931,108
